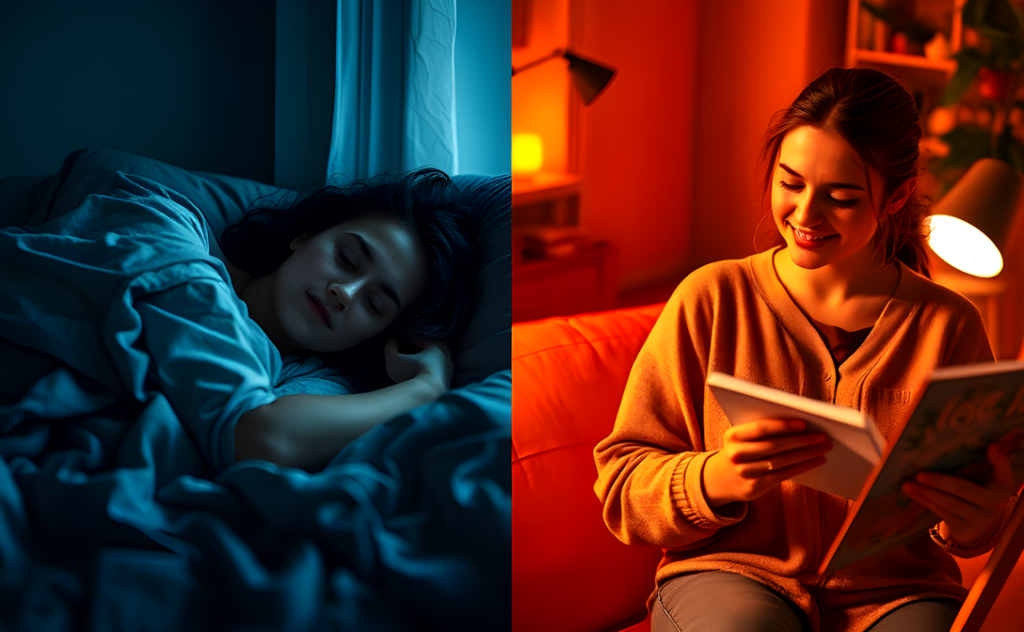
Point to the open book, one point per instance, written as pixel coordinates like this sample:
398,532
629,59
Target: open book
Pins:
961,411
858,445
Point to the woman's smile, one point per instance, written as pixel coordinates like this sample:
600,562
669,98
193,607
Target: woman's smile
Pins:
810,239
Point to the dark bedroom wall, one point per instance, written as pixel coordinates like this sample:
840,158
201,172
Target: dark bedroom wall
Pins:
483,90
189,82
304,87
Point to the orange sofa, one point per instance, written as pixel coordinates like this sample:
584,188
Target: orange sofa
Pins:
568,571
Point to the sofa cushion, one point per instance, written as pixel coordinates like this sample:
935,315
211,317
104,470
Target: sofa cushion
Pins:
568,570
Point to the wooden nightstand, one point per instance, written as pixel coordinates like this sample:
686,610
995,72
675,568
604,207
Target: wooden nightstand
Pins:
580,280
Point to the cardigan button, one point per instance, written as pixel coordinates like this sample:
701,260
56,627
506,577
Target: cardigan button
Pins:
828,377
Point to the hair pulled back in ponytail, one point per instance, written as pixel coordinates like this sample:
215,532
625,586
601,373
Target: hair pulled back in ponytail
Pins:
878,118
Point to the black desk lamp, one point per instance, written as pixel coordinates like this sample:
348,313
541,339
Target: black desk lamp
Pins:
590,78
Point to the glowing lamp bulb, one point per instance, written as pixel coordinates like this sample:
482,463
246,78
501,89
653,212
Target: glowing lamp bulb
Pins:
527,153
964,247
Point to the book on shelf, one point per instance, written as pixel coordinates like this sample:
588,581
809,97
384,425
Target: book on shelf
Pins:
959,413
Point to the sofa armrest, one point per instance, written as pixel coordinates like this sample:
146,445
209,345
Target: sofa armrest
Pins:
568,570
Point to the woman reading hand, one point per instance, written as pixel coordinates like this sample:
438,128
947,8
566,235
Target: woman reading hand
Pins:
758,456
970,512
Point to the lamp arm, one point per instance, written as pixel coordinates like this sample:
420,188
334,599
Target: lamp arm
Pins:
558,52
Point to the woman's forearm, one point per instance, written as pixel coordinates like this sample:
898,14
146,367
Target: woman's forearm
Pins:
306,431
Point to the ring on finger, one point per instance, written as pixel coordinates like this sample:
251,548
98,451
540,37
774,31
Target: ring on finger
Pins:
770,466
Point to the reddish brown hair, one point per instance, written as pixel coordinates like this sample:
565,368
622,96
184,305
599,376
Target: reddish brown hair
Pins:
879,119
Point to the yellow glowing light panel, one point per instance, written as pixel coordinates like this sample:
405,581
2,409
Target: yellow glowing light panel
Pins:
527,153
964,247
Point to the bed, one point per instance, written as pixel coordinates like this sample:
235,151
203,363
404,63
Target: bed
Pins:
117,516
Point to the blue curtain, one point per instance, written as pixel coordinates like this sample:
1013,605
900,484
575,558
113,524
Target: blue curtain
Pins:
394,103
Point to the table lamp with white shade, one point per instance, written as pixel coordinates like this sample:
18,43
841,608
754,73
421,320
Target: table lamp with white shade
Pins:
970,225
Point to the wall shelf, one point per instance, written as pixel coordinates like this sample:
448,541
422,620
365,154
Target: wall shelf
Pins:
544,187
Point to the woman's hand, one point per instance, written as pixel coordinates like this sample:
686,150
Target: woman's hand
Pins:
758,456
969,512
432,364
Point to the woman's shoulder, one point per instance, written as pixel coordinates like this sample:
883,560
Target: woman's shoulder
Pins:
936,300
717,275
715,280
708,288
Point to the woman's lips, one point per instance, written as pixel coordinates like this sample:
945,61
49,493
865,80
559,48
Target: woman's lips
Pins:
319,310
810,240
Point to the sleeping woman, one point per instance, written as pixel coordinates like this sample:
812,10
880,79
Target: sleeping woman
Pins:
130,290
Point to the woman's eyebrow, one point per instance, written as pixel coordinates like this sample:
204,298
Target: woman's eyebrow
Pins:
831,185
386,287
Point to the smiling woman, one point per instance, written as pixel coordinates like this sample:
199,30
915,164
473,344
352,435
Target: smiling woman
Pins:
839,310
388,256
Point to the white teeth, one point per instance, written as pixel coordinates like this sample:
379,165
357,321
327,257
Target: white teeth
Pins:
807,237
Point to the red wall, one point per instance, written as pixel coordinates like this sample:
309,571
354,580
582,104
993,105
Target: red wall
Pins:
670,150
637,140
755,60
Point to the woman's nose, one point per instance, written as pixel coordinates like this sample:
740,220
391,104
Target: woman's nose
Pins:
343,294
805,214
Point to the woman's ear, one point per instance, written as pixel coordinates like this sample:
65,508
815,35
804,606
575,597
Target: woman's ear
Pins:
900,196
297,241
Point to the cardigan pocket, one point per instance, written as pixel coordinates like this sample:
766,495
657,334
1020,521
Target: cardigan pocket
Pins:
888,407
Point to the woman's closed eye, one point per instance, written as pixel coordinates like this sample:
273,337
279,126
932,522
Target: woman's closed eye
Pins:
345,259
796,188
376,307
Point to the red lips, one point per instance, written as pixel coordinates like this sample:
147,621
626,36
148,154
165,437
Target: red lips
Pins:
319,310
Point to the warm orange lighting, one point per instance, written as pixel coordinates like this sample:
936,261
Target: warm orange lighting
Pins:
527,153
964,247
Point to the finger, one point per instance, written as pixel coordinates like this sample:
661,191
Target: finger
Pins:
1002,473
946,506
780,444
951,485
945,515
787,459
765,428
778,474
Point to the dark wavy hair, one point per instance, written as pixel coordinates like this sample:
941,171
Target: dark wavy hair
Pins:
426,201
879,119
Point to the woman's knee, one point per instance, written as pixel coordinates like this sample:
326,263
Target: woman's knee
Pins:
919,616
721,601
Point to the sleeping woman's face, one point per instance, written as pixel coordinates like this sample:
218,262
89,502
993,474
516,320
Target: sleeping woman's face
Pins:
346,284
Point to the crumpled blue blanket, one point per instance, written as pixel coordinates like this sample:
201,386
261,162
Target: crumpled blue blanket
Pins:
125,361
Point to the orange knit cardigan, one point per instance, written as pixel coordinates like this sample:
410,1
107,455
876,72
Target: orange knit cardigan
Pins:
736,317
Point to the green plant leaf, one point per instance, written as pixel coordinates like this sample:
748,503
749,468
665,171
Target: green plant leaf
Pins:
967,145
998,21
974,12
968,62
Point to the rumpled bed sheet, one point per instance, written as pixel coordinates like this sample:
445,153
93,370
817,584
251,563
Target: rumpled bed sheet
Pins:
120,505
